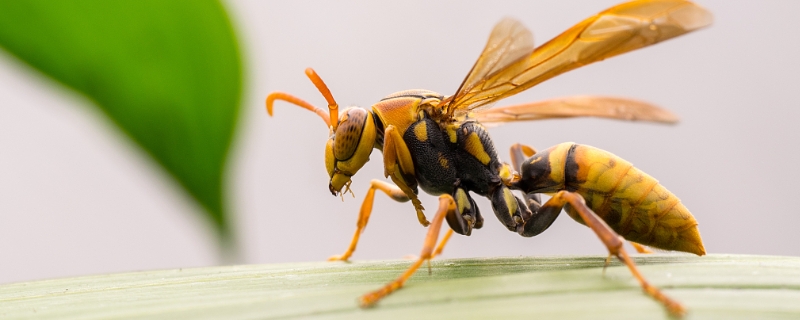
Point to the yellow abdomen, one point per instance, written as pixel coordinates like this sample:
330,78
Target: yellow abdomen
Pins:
632,202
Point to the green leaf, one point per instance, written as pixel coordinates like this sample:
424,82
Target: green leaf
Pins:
168,73
715,286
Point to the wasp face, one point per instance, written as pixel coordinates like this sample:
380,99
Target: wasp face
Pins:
348,148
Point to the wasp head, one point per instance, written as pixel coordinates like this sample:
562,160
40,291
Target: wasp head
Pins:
349,147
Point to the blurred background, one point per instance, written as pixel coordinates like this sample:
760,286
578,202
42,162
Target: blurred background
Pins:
78,197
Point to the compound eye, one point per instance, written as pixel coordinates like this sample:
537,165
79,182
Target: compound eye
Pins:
348,133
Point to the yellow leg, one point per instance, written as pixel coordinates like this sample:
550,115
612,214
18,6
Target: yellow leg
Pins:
442,243
438,250
446,204
614,244
366,209
640,248
397,163
518,154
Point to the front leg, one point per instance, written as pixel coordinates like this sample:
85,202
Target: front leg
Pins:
399,166
366,210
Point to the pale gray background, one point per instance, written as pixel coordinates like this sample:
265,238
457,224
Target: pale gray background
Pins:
76,197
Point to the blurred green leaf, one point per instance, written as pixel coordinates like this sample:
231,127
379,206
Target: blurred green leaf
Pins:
168,73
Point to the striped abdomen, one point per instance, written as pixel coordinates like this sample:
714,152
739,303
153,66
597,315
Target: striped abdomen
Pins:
630,201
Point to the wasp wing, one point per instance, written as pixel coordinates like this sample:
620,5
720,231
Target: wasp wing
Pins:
509,41
578,106
617,30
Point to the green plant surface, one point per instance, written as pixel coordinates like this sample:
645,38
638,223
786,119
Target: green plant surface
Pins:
168,73
712,287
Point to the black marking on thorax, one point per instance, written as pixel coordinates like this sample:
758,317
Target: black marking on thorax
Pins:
473,174
434,159
379,127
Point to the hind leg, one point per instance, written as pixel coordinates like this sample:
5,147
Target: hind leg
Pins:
640,248
614,244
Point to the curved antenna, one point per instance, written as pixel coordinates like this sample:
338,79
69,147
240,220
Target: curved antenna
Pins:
333,107
277,95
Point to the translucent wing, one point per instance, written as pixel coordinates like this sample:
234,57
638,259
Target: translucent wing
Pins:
501,72
510,41
578,106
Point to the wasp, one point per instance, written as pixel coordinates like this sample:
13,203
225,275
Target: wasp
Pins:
439,144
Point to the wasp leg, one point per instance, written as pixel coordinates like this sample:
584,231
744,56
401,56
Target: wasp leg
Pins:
439,248
462,220
614,243
446,205
640,248
542,217
366,209
520,152
398,165
442,243
466,216
509,209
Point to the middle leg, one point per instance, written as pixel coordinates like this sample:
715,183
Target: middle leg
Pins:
446,206
466,217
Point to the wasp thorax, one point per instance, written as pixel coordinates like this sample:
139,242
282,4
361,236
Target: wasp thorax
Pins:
348,149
